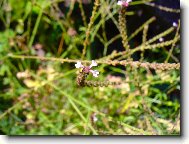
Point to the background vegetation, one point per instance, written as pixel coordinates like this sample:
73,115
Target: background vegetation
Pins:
41,40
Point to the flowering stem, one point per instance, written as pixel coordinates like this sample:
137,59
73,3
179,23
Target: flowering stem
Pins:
82,13
123,28
135,64
174,43
85,44
163,8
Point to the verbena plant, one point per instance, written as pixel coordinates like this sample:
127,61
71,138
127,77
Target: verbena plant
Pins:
42,91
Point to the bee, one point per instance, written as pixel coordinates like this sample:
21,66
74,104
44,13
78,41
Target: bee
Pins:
81,77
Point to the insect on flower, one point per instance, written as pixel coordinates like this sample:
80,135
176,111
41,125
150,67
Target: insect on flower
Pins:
124,3
87,69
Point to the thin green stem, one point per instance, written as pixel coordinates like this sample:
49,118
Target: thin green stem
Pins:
35,28
173,45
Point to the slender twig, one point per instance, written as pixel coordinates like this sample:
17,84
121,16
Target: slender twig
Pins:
136,64
173,44
123,28
144,38
82,13
152,19
85,44
164,8
60,48
35,28
72,3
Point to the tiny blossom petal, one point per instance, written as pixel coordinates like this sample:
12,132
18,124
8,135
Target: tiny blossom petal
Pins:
119,3
161,39
124,3
95,73
95,119
79,65
175,24
93,64
129,1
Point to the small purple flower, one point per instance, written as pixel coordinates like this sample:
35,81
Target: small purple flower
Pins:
161,39
124,3
95,73
87,69
175,24
93,64
94,117
79,65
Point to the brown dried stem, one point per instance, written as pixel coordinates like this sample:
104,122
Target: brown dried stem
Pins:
135,64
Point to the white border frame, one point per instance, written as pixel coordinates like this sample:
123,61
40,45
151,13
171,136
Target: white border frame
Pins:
184,139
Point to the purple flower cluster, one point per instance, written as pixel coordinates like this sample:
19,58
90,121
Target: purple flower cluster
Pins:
87,69
124,3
